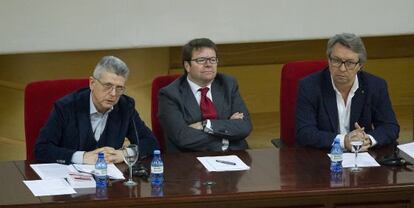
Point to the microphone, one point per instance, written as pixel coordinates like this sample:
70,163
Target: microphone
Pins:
138,169
394,159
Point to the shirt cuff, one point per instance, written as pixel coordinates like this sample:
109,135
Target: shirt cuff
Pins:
77,157
225,144
208,128
373,141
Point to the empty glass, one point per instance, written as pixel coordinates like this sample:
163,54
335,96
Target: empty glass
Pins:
130,154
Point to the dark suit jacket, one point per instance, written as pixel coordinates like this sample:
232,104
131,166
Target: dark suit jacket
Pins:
317,121
69,129
178,108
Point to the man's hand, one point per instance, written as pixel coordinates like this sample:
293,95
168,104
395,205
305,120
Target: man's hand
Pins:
197,125
92,156
361,135
111,155
237,115
115,156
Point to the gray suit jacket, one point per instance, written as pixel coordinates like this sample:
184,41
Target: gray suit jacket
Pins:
178,108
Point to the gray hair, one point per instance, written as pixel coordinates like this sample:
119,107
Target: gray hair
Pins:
111,64
351,41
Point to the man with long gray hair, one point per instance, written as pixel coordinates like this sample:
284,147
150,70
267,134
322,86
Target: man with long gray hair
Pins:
95,119
344,100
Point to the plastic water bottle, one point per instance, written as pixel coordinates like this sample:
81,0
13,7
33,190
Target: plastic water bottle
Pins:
157,169
101,171
336,156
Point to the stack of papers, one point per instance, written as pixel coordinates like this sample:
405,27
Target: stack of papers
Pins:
113,171
53,177
79,180
223,163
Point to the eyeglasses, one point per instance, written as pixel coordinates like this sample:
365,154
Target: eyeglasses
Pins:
349,65
108,87
203,60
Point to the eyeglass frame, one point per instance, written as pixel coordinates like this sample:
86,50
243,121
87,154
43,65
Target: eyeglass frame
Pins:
108,87
345,63
203,60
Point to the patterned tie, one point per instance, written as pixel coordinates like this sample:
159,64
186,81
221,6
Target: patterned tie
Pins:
207,107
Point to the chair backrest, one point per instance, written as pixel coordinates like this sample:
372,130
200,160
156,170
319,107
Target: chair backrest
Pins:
292,73
158,83
39,98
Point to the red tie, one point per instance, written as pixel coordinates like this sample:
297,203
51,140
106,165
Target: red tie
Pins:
207,107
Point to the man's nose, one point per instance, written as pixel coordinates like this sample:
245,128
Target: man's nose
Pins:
342,67
112,91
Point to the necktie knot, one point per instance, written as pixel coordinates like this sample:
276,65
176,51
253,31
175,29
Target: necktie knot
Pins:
203,90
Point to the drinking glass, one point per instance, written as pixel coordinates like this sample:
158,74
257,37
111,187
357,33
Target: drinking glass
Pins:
130,154
356,142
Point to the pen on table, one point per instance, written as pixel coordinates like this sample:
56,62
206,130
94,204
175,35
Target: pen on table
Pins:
83,178
226,162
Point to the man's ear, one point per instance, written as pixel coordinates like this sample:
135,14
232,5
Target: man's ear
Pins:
187,66
91,82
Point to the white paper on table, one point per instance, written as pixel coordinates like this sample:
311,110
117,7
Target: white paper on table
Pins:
364,160
50,170
49,187
211,164
407,148
112,171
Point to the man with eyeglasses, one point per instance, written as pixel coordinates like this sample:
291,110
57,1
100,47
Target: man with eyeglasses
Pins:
344,99
202,110
95,119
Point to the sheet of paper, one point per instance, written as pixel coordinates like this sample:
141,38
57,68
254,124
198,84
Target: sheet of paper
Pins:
364,160
50,170
223,163
407,148
49,187
113,171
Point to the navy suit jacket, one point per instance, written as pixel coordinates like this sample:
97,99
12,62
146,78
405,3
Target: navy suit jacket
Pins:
317,121
68,129
178,108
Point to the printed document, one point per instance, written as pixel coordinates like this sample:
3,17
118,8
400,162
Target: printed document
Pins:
407,148
223,163
49,187
364,160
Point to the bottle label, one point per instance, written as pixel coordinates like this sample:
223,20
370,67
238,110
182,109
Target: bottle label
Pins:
159,169
100,172
336,157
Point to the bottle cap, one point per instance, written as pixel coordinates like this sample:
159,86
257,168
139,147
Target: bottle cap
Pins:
157,152
100,154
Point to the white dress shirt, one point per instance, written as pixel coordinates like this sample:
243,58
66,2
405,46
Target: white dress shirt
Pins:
197,94
344,112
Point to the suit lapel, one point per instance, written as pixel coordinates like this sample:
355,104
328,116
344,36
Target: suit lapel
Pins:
189,101
218,98
84,121
329,99
113,125
357,103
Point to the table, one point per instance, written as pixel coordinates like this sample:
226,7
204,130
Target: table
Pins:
287,177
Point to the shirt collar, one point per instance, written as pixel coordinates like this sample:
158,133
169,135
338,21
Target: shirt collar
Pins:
194,87
354,87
